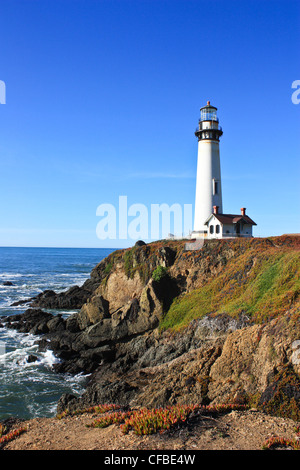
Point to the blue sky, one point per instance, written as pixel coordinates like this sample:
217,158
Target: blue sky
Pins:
103,98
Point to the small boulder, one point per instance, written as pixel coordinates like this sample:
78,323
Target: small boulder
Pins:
140,243
31,358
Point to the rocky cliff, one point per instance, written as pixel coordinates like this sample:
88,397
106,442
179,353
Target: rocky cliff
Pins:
158,324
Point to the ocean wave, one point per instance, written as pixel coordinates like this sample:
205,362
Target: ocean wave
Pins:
15,358
11,275
8,288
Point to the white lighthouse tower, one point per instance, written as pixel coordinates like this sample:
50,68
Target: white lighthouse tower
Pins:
208,185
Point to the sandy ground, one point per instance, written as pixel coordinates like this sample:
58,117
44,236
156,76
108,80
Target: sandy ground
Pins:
237,430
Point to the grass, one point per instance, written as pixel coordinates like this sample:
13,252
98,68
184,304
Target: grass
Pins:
260,283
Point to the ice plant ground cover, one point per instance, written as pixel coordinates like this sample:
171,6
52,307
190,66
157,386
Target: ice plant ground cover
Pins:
97,409
281,442
116,417
150,421
156,420
10,435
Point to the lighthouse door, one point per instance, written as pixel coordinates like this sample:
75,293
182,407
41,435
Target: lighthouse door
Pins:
238,229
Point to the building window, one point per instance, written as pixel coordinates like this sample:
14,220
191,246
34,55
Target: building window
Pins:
211,229
217,228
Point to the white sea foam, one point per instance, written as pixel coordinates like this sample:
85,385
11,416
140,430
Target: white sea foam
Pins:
13,359
33,388
9,288
49,358
11,275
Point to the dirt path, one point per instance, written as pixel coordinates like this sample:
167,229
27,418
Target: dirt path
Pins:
237,430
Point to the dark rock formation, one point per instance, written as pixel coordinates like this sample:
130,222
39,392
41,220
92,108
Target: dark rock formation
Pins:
31,358
73,298
33,321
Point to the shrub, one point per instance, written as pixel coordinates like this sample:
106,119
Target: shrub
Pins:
159,273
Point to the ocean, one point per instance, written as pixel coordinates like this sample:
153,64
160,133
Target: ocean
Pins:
32,389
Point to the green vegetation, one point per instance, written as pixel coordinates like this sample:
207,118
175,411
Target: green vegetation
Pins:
133,264
128,263
260,282
159,273
108,268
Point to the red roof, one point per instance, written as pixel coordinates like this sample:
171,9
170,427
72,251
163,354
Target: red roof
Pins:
233,219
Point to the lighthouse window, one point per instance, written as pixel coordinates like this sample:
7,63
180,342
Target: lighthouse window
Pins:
216,187
211,229
217,228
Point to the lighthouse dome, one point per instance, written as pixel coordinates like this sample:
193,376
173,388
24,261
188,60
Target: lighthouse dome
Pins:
208,113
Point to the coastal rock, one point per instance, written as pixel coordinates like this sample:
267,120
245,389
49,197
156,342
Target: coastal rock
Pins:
251,356
31,358
64,402
72,324
119,289
57,323
118,337
73,298
95,310
32,321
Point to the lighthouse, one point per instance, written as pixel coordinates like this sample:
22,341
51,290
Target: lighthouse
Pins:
208,183
209,220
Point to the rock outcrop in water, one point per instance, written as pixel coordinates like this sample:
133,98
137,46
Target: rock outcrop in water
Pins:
159,325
